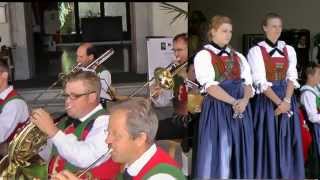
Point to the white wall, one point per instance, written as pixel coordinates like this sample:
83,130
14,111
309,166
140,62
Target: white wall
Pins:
5,29
141,27
247,14
149,20
161,20
21,34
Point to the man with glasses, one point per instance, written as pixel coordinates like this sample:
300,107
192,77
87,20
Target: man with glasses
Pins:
78,141
182,124
132,129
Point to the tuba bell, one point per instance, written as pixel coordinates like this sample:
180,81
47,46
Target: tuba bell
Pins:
22,160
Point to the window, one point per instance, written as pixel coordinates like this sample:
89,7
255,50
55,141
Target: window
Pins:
66,18
70,15
117,9
88,9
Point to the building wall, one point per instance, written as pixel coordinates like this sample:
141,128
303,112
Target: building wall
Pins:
150,20
22,40
5,28
247,14
147,20
16,33
161,21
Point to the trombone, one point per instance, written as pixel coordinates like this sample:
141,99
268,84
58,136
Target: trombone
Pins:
92,66
163,77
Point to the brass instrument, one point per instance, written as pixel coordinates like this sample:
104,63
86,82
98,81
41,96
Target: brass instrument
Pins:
92,66
106,155
163,77
195,98
26,144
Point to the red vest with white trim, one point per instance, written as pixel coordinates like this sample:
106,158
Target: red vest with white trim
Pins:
276,67
225,67
159,163
105,171
12,95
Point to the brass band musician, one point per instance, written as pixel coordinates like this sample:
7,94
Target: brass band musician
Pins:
78,140
183,123
13,109
86,53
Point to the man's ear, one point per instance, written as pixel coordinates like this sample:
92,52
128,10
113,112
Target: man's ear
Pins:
92,97
5,75
141,139
91,57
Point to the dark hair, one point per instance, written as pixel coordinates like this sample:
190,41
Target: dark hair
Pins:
91,49
4,67
310,69
182,36
270,16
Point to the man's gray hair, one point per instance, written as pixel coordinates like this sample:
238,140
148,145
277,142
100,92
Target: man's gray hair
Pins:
141,117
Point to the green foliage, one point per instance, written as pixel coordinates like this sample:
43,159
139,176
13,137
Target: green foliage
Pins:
174,9
65,17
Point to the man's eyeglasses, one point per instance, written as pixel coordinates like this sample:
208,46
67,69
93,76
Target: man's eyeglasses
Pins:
73,96
178,50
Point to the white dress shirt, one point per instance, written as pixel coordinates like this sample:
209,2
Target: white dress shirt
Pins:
204,70
256,62
137,165
164,98
105,80
308,100
314,54
81,153
14,112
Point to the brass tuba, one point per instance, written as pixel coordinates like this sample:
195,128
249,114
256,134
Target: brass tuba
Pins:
164,76
22,160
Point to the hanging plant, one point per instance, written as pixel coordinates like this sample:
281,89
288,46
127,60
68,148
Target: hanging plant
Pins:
174,9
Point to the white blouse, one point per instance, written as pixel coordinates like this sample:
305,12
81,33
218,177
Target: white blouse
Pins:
308,100
204,70
255,60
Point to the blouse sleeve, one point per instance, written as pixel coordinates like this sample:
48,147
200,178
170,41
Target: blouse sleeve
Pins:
292,73
258,72
245,71
308,99
204,70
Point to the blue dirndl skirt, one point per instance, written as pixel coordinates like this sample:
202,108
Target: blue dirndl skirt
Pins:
225,144
277,142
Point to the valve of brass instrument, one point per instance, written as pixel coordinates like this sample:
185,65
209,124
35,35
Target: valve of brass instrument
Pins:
163,78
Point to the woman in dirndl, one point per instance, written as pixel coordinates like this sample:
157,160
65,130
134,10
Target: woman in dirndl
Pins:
278,146
225,142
